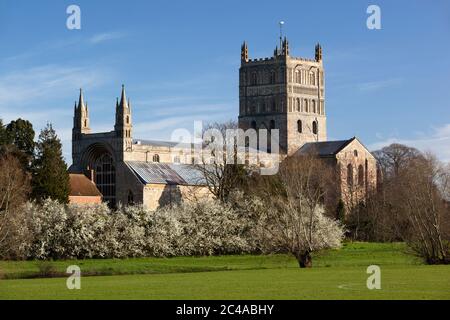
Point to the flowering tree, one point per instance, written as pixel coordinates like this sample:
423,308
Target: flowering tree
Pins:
292,214
59,231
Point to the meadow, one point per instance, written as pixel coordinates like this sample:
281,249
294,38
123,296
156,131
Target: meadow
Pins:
336,274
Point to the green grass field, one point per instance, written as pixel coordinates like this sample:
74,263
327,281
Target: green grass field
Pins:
337,274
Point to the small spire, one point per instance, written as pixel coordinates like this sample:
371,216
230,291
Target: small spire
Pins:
123,98
81,100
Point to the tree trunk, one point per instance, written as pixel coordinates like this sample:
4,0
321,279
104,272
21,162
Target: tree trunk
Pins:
304,259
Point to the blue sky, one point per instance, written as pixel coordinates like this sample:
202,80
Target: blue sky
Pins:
179,61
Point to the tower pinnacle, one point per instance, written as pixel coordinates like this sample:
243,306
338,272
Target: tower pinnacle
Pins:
244,52
318,52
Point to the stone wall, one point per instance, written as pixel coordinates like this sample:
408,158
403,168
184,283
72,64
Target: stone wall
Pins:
364,171
156,195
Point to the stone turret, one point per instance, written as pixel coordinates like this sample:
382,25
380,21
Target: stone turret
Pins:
123,126
80,118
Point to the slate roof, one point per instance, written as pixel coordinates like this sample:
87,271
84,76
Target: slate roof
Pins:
167,173
80,185
160,143
325,148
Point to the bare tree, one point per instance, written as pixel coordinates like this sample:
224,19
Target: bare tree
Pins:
221,173
422,187
293,217
14,190
411,204
393,158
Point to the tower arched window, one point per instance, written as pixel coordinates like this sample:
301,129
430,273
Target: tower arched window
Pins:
299,105
274,106
350,175
253,124
306,104
299,126
313,102
315,128
156,158
361,175
272,77
254,79
128,119
272,124
312,78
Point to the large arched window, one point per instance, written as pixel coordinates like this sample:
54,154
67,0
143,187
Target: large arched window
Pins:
105,178
350,175
299,126
315,128
361,175
156,158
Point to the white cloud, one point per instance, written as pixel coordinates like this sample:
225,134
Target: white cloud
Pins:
106,36
437,142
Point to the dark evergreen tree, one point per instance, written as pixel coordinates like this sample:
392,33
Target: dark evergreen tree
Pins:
20,133
50,176
18,140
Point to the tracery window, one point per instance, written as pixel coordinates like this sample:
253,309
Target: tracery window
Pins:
105,178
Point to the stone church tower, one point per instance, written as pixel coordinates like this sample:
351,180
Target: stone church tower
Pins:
285,93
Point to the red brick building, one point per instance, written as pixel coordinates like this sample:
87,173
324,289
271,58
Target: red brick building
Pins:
83,190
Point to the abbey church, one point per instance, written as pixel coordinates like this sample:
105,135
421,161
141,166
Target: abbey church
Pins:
280,92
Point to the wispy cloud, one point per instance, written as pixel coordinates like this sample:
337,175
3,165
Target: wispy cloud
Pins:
47,82
437,142
379,85
106,36
45,94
